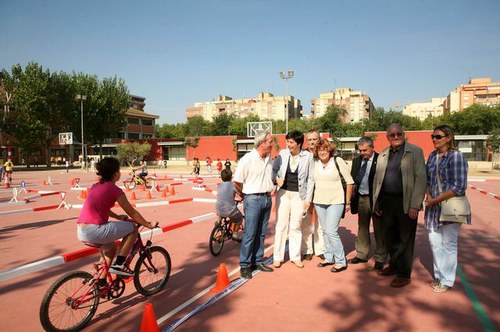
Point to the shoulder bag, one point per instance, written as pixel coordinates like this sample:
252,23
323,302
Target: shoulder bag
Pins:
344,184
455,209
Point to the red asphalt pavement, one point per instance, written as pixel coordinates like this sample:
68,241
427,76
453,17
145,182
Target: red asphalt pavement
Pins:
288,299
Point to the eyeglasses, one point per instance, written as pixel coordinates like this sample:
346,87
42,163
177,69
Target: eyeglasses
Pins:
394,135
438,137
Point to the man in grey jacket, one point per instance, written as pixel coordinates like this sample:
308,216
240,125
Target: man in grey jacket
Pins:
399,188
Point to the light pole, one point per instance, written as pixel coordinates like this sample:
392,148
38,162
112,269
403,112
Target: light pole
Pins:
286,76
82,98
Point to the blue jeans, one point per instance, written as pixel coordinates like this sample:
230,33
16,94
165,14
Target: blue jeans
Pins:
257,211
329,218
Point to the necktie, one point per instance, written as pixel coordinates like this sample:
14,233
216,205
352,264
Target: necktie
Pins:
361,173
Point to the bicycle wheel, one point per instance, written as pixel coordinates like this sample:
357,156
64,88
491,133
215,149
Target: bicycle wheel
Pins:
130,183
217,237
152,270
60,310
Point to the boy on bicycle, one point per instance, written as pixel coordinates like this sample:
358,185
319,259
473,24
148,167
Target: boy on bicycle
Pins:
144,171
226,205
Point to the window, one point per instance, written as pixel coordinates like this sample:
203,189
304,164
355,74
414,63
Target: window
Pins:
176,153
133,120
147,122
132,136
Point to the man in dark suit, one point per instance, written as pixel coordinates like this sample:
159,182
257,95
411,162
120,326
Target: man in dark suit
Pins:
363,173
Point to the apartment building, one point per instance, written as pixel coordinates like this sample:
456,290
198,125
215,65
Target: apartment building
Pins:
422,110
478,91
140,125
265,105
357,104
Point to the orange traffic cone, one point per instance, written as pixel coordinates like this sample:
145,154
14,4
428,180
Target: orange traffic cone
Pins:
164,192
149,323
133,198
222,279
143,187
157,188
148,195
72,183
83,194
44,183
6,183
172,190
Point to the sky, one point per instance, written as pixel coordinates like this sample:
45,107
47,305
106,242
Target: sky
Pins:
177,53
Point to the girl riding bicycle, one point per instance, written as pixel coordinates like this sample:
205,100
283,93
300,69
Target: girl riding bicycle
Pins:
226,206
94,225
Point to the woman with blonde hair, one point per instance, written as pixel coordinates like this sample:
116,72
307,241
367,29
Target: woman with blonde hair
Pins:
331,201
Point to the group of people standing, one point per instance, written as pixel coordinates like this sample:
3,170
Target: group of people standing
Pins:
388,188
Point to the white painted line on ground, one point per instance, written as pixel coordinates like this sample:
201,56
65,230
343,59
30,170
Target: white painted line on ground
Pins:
205,200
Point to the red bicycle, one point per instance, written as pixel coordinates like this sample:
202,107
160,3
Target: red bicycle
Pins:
71,301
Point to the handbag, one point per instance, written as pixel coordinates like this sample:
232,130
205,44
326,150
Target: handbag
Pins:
344,185
455,209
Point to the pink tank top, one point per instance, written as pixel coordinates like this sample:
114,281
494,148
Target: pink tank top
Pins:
101,198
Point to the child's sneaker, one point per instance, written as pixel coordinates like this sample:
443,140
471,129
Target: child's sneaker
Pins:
122,270
236,237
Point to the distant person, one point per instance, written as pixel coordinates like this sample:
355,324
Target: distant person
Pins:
446,178
398,193
197,166
219,165
92,165
8,169
67,163
312,233
253,180
363,173
226,205
160,164
227,164
209,165
293,173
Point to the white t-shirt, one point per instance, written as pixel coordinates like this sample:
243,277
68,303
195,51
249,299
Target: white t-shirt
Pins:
255,173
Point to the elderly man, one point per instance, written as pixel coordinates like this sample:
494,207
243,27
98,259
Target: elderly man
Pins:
399,188
312,231
363,173
253,180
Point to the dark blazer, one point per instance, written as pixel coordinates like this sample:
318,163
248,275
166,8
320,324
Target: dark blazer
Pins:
356,165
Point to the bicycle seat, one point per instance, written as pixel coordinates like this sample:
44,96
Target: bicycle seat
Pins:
92,244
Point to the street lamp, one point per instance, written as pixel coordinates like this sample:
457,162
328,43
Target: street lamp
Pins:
82,98
286,76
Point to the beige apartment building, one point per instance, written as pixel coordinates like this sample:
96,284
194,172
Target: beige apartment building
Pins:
265,105
478,91
422,110
357,104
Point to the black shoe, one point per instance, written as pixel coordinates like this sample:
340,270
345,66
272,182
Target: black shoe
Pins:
357,260
379,266
307,257
323,264
321,256
335,270
388,271
246,272
262,267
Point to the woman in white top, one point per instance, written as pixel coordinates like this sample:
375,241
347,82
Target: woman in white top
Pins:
292,171
330,201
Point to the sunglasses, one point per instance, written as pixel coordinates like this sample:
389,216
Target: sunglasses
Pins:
394,135
438,137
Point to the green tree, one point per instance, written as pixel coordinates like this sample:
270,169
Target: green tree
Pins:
171,130
221,124
191,142
131,152
196,126
494,143
475,120
239,125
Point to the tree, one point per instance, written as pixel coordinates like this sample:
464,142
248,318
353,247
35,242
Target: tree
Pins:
475,120
196,126
238,126
494,143
171,130
191,142
221,124
131,152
